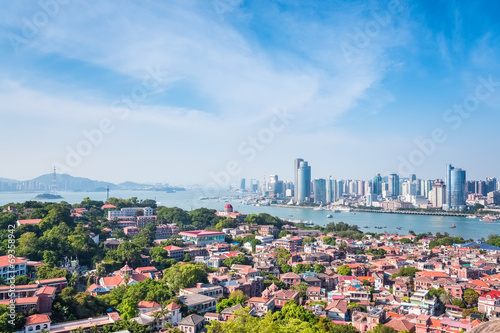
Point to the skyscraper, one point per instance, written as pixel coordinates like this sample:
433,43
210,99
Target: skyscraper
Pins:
377,185
304,182
319,188
329,190
296,166
242,184
455,188
394,185
438,194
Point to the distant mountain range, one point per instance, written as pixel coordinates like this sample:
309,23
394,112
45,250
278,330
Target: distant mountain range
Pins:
66,182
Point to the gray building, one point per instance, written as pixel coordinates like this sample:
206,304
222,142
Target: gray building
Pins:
319,188
304,182
455,188
394,185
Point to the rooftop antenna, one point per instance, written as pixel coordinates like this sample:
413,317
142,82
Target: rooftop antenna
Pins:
53,186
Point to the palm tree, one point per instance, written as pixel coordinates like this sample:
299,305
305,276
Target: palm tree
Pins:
446,298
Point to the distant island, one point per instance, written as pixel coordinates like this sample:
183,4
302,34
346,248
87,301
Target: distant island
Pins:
48,196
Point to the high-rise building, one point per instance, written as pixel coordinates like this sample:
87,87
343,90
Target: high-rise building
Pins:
319,188
377,184
329,190
393,185
242,184
304,182
456,190
361,188
339,189
296,166
438,194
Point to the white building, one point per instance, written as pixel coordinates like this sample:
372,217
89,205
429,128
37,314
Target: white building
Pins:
130,211
12,267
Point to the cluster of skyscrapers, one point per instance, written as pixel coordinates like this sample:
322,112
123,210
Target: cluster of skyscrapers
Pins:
389,192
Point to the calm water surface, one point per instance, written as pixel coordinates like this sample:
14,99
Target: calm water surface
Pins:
467,228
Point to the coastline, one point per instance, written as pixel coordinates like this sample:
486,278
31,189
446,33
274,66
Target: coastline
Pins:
381,211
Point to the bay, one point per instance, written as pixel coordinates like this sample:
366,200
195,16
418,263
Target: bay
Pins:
466,228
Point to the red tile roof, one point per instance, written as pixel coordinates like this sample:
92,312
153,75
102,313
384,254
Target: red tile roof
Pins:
5,261
32,221
37,319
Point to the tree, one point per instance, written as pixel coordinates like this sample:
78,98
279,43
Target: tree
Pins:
285,268
301,288
318,268
383,329
254,243
50,258
187,257
344,270
329,240
446,298
184,276
173,215
44,272
406,271
240,259
471,296
128,309
282,256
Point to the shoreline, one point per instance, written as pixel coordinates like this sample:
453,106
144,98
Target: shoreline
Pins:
382,211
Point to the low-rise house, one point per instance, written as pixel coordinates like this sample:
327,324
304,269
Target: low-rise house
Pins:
337,310
290,279
192,324
260,305
490,302
199,302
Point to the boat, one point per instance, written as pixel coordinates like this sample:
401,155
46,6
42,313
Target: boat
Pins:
471,216
309,223
329,216
489,218
453,226
353,213
399,228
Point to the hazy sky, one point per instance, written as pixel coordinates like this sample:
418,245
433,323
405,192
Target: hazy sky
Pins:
177,91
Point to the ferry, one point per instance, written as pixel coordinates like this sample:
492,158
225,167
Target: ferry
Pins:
489,218
329,216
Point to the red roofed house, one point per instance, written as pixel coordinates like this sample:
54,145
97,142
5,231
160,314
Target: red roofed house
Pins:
203,237
12,266
174,315
37,323
108,206
175,252
23,222
489,302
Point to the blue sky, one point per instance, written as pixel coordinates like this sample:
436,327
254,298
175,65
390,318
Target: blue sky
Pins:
362,81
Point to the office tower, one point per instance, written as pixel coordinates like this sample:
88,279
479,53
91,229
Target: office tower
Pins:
339,189
491,185
353,188
361,187
413,177
335,193
329,190
319,188
377,185
438,194
296,165
368,187
393,185
455,188
304,182
242,184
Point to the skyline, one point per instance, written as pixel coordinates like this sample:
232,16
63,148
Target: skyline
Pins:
180,90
